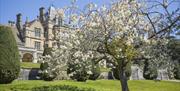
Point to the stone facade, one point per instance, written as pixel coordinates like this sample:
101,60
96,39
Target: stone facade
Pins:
33,36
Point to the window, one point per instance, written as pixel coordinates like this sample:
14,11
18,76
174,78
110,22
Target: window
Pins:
46,34
37,45
37,32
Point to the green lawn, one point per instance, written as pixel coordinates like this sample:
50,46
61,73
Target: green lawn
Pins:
104,69
29,65
99,85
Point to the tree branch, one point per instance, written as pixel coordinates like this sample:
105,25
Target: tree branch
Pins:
166,28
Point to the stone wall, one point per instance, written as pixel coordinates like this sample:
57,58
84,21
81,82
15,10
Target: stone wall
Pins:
29,74
137,74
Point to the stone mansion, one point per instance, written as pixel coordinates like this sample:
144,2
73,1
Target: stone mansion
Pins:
33,36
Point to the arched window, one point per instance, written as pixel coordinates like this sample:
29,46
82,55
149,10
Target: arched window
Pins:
27,57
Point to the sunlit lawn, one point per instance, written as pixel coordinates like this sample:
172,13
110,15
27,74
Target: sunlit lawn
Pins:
99,85
29,65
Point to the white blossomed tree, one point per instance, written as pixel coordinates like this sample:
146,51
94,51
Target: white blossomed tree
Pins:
156,57
118,26
72,53
118,34
120,30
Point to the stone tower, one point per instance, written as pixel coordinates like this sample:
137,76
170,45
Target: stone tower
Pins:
20,26
19,21
49,27
42,15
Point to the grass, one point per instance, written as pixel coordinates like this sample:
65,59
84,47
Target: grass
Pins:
99,85
29,65
102,69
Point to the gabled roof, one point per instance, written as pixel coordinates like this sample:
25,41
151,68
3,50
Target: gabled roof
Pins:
30,23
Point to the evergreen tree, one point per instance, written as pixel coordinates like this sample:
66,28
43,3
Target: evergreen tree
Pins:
9,56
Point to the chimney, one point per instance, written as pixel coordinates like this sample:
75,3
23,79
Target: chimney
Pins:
41,14
19,21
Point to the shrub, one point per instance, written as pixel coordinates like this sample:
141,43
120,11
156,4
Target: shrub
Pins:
127,71
177,71
61,88
78,72
149,72
47,51
95,71
44,65
47,77
9,56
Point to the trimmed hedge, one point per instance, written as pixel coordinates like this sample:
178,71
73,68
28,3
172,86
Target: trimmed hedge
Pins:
61,88
9,56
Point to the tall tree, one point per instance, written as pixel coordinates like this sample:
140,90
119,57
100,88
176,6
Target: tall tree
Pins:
118,33
9,56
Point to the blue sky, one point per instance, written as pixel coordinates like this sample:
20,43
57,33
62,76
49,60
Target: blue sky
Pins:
30,8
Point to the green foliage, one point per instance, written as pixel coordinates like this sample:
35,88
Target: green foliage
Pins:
127,71
44,65
76,73
61,88
95,71
177,71
47,77
98,85
121,50
9,56
174,46
149,72
47,51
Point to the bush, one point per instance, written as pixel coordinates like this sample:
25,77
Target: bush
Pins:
127,71
177,71
61,88
9,56
44,65
149,72
47,51
47,77
95,71
77,72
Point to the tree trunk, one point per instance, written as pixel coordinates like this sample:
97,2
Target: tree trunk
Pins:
123,80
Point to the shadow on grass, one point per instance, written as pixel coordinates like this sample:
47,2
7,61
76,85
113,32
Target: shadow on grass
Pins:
55,88
61,88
